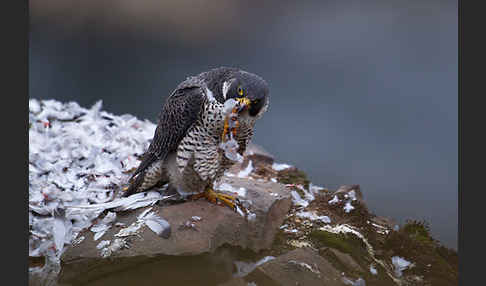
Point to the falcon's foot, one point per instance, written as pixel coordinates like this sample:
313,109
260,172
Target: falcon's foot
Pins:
215,197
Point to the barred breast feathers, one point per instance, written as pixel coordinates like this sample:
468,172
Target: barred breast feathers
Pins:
202,143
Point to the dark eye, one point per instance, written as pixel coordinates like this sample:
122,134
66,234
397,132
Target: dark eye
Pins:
240,91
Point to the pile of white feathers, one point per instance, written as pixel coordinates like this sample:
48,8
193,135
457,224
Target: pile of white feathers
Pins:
78,160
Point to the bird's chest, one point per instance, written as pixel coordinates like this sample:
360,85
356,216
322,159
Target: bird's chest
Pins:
200,148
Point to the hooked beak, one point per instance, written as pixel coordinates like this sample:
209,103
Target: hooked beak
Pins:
244,103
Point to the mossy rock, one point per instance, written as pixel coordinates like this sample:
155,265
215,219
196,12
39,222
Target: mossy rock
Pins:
436,263
293,176
346,243
355,247
280,244
414,236
419,231
330,255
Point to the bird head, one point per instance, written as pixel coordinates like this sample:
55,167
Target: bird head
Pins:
249,89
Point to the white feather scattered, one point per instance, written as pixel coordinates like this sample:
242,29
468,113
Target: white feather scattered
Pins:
78,240
400,264
315,189
230,148
225,187
299,243
196,218
313,216
115,246
244,268
380,229
103,225
102,244
34,106
59,231
344,228
334,200
309,196
358,282
280,167
134,201
373,270
244,173
297,200
144,214
251,216
129,163
348,207
78,157
160,226
75,159
100,233
305,266
240,212
132,229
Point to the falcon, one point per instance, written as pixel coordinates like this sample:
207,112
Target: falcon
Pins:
189,150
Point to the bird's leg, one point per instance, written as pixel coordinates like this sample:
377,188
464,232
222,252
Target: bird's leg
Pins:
214,197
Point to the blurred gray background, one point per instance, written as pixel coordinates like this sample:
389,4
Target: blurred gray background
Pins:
362,92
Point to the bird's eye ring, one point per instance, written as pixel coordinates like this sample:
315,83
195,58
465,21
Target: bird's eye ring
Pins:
240,91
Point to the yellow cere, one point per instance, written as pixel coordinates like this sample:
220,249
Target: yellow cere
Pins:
244,100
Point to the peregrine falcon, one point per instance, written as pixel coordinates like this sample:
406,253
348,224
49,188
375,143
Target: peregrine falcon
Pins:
186,150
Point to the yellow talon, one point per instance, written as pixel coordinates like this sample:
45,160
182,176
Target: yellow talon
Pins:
213,197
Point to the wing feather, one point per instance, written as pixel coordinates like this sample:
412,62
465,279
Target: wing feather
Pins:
179,113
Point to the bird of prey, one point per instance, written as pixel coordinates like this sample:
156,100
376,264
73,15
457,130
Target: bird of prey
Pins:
186,148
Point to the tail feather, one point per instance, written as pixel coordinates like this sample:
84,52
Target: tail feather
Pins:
151,176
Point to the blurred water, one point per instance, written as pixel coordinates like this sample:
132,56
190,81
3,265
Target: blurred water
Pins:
361,93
